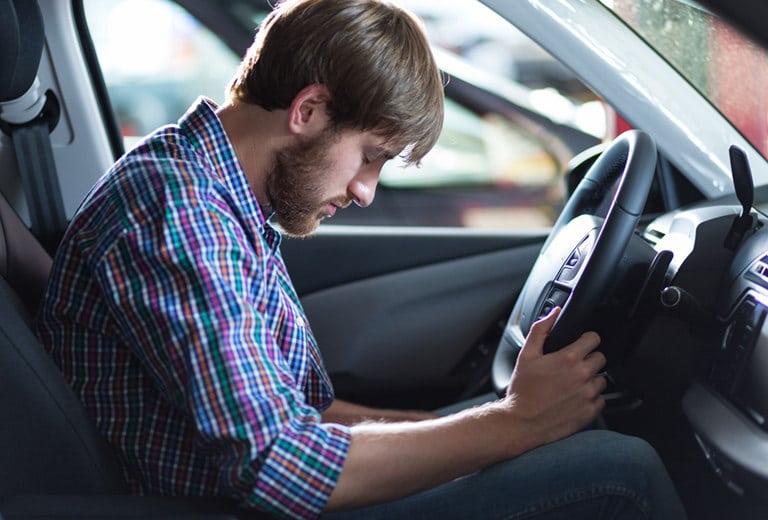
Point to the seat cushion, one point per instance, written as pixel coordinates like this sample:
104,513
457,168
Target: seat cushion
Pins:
49,445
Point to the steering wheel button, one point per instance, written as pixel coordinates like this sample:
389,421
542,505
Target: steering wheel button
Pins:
558,297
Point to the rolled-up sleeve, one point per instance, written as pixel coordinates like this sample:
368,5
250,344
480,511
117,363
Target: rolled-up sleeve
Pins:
302,469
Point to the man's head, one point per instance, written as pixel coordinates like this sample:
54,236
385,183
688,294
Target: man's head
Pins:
374,63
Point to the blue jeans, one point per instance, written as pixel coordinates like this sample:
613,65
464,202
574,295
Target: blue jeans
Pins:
594,474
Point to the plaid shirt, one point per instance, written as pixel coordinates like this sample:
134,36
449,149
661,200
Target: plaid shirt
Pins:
171,314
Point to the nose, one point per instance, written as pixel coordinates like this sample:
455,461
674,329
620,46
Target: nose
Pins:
362,189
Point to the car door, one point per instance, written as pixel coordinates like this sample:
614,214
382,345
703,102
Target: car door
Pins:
409,317
407,298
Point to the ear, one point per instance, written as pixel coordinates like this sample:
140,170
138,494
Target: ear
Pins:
308,110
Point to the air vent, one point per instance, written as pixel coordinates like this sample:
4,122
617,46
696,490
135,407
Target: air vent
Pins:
760,270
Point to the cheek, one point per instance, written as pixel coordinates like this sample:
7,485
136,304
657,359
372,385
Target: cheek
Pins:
344,170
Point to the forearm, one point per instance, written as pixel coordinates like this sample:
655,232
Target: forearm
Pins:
390,461
344,412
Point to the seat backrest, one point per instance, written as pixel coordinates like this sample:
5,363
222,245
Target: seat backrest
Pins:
47,443
24,264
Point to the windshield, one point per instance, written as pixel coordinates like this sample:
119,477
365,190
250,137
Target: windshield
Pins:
729,69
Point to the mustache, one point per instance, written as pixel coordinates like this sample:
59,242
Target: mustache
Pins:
341,202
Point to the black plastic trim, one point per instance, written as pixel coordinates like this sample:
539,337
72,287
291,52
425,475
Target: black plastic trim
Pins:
111,125
360,252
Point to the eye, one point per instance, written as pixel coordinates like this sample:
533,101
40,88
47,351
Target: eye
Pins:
366,160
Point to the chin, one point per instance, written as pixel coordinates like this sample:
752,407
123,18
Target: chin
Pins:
299,229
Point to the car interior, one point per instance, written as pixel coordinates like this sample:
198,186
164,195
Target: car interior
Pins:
701,404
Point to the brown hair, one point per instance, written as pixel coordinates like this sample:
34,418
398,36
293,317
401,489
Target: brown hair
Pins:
373,56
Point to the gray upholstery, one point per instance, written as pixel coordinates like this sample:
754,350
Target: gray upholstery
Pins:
55,446
47,444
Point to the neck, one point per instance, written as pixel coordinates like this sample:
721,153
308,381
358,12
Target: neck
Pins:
255,134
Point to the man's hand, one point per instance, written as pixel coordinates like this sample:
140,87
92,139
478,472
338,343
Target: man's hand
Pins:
559,393
549,397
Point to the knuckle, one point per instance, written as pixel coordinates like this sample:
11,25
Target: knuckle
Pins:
600,359
570,356
585,372
592,337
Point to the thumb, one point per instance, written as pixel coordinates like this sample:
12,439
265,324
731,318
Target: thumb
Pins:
534,342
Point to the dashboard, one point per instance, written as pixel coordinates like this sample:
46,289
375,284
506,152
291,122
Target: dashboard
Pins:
727,405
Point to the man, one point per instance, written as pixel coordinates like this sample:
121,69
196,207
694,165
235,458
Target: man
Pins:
173,317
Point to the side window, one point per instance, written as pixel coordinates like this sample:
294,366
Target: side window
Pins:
477,168
513,116
156,60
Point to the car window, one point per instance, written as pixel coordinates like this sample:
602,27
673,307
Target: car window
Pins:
725,66
156,59
492,167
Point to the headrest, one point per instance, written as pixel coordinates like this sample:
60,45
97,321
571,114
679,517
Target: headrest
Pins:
21,50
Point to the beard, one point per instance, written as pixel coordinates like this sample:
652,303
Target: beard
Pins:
296,184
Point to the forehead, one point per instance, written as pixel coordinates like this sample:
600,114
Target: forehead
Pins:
371,142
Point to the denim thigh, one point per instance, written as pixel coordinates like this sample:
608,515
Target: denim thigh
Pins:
595,474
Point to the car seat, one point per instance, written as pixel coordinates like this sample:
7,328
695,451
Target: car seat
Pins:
53,461
47,444
55,446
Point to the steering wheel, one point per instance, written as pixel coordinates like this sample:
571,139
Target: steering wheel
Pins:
576,266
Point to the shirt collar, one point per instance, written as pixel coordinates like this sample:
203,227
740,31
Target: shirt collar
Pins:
203,127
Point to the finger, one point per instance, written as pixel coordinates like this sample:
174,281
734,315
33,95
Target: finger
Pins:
534,342
595,361
599,404
599,400
585,344
595,386
600,384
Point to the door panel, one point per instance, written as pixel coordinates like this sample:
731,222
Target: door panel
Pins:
401,311
342,254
